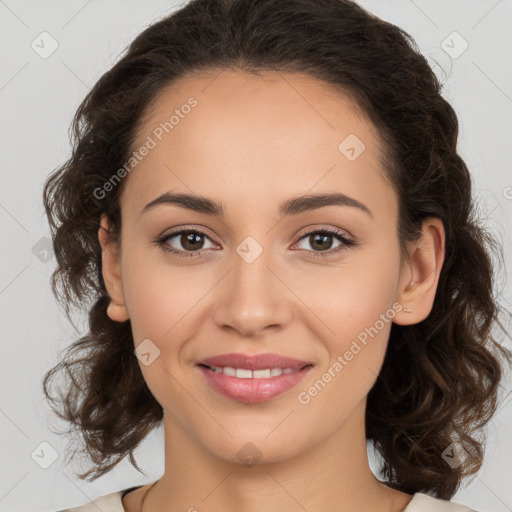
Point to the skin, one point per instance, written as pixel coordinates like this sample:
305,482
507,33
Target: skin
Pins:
251,142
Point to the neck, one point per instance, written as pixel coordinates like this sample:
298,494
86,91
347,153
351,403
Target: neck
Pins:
332,474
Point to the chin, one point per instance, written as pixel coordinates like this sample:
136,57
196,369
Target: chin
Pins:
256,450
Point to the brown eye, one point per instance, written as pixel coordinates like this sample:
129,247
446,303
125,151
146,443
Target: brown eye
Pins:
321,241
185,242
191,241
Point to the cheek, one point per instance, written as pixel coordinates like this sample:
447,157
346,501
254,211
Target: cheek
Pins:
354,295
355,301
160,297
358,310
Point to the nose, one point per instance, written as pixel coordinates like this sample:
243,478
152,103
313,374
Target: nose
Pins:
253,297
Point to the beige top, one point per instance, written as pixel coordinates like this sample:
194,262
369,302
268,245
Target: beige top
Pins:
420,503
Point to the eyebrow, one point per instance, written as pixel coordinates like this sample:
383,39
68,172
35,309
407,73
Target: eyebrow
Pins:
292,206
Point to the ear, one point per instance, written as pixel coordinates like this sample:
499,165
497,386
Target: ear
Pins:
420,275
111,271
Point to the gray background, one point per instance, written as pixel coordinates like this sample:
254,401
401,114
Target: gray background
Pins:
38,97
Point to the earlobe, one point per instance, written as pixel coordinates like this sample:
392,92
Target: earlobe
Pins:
418,287
117,312
111,271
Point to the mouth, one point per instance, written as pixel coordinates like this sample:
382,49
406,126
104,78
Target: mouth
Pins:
265,361
253,385
245,373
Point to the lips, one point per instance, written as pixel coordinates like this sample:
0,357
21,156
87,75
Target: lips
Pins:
256,362
252,390
234,375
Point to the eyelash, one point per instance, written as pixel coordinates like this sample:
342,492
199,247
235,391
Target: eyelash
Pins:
346,243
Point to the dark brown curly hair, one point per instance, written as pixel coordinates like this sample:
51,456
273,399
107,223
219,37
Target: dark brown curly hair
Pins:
440,378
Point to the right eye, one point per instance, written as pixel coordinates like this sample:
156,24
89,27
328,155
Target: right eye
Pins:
190,239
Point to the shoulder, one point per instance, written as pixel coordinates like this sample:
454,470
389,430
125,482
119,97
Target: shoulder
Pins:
420,503
108,503
424,503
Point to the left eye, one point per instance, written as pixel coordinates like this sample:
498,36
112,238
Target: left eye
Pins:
321,240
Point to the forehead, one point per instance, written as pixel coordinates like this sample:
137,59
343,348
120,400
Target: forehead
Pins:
252,140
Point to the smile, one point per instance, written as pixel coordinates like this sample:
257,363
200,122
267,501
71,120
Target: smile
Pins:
252,386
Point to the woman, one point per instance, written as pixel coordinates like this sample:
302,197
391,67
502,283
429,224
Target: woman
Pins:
266,203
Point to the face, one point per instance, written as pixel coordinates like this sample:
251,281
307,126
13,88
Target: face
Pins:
257,279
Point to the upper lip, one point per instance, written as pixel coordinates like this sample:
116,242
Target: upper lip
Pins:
256,362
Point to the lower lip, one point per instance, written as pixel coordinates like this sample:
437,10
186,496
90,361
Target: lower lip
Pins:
253,390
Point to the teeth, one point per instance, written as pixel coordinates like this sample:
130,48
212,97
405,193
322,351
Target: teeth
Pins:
243,373
229,371
263,374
